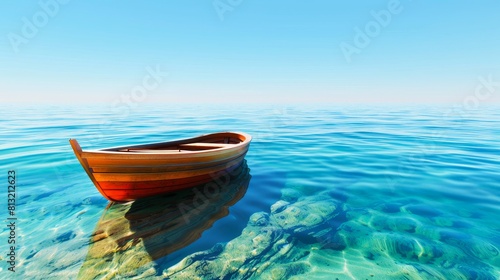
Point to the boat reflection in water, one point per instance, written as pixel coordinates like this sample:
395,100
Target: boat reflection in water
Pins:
129,237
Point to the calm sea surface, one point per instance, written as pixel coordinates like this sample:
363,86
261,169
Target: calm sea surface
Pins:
326,193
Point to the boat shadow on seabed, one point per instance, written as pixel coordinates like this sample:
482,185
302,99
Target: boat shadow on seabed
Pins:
130,236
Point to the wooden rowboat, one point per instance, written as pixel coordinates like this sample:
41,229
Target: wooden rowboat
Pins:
128,173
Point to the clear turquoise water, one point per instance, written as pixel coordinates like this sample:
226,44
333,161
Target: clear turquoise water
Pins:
347,192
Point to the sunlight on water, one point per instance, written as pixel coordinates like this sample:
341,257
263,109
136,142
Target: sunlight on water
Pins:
341,193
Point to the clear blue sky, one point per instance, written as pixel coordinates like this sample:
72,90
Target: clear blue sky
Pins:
249,50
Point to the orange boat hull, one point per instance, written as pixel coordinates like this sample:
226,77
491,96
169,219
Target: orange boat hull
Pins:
129,173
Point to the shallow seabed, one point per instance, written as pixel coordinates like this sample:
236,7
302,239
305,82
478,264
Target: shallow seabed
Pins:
347,192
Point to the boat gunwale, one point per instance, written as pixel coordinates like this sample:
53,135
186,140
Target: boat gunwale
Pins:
109,151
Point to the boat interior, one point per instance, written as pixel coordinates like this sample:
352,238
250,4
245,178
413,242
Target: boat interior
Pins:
209,143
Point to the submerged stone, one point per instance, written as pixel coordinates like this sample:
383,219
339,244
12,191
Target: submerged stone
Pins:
269,242
279,206
259,219
423,210
290,195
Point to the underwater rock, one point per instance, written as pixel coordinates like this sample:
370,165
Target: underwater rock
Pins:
285,271
279,206
239,258
390,207
423,210
389,222
259,219
424,250
268,239
318,237
306,214
470,244
290,195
